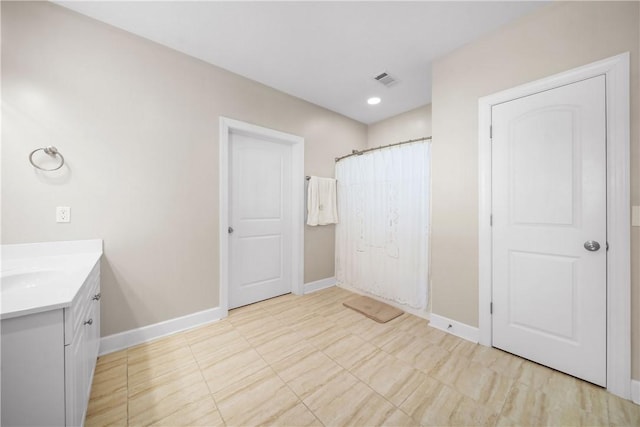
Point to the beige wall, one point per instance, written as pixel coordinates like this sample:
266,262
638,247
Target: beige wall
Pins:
138,125
411,124
554,39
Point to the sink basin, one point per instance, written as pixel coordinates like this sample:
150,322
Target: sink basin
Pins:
31,279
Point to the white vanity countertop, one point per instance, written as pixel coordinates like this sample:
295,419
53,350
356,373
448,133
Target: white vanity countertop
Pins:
38,277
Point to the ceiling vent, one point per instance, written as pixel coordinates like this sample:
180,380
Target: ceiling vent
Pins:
385,79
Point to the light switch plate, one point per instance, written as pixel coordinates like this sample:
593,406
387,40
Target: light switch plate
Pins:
635,216
63,214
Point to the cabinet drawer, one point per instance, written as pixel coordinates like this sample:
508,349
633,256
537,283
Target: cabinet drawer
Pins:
80,310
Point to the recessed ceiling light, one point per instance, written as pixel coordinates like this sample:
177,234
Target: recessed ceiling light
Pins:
374,100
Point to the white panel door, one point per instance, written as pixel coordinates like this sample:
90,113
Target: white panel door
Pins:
548,199
260,216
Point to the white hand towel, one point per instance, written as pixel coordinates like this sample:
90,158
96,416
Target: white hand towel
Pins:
322,207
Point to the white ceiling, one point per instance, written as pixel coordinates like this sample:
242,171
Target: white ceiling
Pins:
324,52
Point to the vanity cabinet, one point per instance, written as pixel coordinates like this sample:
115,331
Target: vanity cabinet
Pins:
48,360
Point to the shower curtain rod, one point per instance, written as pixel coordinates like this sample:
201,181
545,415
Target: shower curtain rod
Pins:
357,153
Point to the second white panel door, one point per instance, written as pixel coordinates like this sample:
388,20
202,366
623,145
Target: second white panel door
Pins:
260,219
549,228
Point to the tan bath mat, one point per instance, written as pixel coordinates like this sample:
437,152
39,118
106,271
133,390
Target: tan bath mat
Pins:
376,310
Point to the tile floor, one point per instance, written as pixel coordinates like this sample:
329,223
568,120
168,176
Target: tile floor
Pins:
297,361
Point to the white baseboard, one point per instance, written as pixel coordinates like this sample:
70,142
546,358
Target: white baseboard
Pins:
126,339
635,391
454,327
319,285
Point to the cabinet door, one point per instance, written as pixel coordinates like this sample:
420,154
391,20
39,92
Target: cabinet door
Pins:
91,343
32,378
75,378
95,329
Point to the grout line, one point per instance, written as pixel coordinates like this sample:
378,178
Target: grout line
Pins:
200,370
294,330
289,387
507,395
368,357
215,403
364,360
349,371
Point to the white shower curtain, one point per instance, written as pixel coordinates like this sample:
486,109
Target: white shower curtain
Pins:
382,235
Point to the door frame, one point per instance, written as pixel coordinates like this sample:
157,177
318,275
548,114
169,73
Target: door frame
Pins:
616,71
227,126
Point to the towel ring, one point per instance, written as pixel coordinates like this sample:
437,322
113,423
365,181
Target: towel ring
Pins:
51,151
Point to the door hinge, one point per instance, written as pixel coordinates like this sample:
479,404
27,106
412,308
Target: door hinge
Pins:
491,220
490,131
491,307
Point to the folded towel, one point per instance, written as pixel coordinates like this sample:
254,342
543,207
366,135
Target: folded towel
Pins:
322,207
